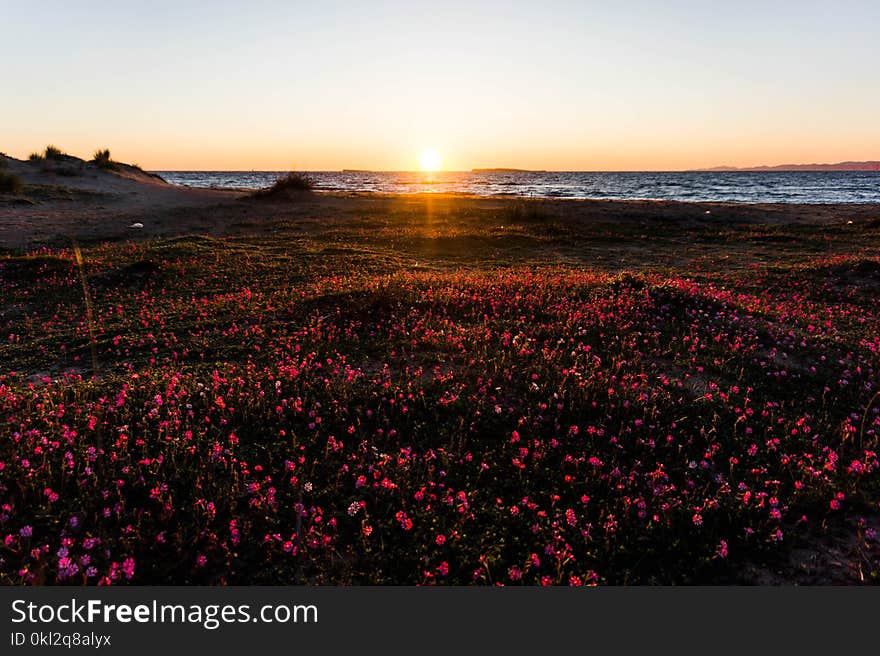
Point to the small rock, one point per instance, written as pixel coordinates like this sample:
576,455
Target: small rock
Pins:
136,226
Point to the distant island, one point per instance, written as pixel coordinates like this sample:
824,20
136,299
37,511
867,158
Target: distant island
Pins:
840,166
505,170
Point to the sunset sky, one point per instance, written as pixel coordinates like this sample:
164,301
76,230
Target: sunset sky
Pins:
629,85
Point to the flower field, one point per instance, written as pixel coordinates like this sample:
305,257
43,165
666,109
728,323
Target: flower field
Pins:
357,409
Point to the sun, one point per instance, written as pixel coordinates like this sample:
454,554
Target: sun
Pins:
430,160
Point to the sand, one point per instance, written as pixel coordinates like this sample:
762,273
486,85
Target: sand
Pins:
72,199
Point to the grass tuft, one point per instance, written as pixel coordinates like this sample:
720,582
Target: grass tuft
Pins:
52,152
102,159
292,182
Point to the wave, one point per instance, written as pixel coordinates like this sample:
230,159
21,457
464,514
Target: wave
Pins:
743,187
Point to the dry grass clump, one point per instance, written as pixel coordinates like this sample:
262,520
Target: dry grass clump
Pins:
293,182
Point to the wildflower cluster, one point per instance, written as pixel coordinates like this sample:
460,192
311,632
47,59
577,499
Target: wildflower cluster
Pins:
263,419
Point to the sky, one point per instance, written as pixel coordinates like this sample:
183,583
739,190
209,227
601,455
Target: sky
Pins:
624,85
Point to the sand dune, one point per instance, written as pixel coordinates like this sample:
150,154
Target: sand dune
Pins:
69,196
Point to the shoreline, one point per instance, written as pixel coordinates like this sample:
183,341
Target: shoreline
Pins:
856,188
73,199
464,194
167,210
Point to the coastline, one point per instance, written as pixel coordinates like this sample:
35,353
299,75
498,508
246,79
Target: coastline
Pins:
835,187
169,210
70,198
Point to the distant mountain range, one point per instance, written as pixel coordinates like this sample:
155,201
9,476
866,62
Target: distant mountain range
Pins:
840,166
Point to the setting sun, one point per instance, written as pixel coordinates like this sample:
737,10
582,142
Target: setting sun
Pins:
430,160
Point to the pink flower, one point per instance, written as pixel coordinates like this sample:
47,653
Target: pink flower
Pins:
405,522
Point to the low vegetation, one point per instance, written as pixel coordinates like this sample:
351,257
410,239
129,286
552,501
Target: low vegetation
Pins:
438,400
54,160
53,152
102,159
293,182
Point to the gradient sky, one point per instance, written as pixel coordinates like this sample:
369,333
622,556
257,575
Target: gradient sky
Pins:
626,85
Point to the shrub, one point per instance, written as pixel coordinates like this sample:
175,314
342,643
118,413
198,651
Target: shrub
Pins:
35,157
292,182
9,183
52,152
102,159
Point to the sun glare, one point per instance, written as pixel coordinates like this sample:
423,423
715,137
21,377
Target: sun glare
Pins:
430,160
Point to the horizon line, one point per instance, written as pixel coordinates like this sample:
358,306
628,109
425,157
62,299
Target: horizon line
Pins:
874,165
712,169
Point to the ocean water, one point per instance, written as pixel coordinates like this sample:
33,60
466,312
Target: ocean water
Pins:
728,186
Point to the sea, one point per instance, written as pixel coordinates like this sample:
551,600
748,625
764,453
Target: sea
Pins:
727,186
